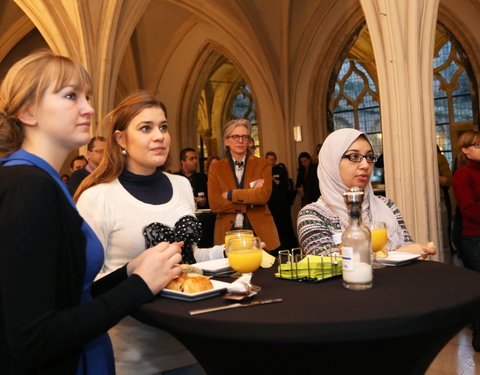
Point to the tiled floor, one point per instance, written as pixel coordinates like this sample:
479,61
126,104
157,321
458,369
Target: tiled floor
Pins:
457,357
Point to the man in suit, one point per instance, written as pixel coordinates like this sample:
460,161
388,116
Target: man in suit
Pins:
239,187
94,156
189,164
78,163
279,203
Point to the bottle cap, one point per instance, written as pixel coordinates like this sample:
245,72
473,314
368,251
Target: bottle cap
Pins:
353,195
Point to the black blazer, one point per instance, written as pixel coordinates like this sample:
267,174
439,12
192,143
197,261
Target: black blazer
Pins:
42,264
198,181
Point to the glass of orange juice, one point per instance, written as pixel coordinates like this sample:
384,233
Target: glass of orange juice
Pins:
239,233
244,254
379,236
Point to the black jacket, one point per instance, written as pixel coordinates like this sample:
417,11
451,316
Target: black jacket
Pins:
42,263
198,181
310,184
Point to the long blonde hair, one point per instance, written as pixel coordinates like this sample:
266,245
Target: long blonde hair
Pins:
113,162
25,84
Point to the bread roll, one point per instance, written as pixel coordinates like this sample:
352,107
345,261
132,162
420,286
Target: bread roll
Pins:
190,283
177,283
195,284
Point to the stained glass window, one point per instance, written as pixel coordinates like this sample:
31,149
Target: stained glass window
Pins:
243,106
355,103
452,95
354,100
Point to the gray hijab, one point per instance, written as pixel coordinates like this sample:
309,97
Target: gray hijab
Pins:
332,186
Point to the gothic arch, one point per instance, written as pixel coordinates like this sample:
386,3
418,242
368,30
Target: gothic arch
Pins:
333,32
14,35
462,22
209,59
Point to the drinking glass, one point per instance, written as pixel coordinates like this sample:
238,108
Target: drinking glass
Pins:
244,254
240,233
379,237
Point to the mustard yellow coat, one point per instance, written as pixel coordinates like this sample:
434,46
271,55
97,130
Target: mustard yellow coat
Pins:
250,201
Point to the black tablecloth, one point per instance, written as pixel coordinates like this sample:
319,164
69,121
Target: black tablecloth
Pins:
396,327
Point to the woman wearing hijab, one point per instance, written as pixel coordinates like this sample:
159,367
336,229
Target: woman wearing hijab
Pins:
346,160
307,181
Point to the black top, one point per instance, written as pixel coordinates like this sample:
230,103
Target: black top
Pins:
42,264
153,189
279,190
310,184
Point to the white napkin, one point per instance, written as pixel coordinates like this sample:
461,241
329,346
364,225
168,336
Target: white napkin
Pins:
242,285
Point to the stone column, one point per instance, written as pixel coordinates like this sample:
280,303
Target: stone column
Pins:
403,35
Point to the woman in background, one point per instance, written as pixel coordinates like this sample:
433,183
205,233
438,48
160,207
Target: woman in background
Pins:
466,186
53,317
132,204
307,180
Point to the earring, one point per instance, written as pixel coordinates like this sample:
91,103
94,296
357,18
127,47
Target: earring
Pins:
124,152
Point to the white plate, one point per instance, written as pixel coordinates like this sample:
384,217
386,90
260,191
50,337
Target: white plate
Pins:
397,258
218,288
214,266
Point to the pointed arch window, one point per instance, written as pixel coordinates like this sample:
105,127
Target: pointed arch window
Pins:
452,94
221,94
355,104
243,106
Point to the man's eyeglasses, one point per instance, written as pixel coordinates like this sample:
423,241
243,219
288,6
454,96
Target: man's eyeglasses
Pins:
237,137
357,158
476,145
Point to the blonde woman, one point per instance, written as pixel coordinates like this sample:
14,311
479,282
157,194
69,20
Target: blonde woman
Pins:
54,317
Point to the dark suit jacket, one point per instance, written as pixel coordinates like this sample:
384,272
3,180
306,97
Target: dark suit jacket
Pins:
199,184
250,201
310,184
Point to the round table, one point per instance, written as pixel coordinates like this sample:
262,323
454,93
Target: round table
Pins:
397,327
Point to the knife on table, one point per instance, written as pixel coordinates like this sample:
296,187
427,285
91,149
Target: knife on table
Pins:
235,305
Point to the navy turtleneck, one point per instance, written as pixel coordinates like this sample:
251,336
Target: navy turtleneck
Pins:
152,189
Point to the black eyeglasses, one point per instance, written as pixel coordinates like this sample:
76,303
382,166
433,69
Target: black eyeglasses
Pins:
237,137
476,145
357,158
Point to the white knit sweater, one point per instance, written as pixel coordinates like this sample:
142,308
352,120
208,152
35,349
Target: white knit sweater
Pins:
118,219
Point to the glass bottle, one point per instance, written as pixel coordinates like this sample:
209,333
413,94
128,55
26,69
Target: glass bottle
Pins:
356,254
